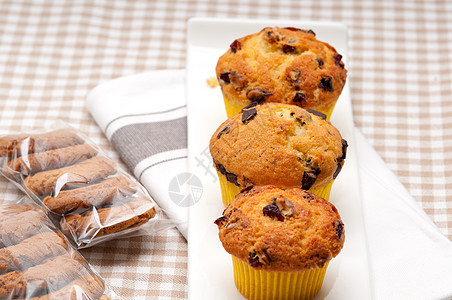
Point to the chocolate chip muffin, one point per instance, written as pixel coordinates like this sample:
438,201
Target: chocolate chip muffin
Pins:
286,65
278,144
280,238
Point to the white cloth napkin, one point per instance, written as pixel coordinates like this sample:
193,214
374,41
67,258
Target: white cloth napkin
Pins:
143,116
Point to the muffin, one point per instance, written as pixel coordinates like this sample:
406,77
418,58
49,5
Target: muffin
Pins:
277,144
281,241
285,65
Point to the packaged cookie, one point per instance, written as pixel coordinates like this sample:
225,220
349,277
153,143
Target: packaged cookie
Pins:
285,65
277,144
38,262
91,198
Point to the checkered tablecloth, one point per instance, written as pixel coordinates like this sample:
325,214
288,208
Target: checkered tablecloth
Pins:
52,53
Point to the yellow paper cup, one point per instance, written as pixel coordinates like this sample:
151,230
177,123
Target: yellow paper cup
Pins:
260,284
230,190
234,106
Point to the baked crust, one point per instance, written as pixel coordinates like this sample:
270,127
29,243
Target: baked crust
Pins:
285,65
281,230
278,144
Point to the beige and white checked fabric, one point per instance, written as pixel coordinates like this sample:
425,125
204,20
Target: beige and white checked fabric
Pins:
52,53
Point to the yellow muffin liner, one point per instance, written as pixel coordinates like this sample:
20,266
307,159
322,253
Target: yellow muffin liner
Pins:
230,190
259,284
234,106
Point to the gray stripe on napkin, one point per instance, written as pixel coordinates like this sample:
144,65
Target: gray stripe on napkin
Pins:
136,142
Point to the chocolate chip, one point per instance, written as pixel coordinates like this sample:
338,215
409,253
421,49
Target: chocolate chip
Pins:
326,83
308,180
225,77
247,189
224,130
316,113
338,170
252,104
292,28
311,32
288,48
320,62
220,168
256,95
253,259
248,115
300,98
339,228
232,178
338,60
235,46
221,220
344,149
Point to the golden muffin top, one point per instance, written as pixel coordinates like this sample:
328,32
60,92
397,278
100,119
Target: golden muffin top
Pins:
281,230
278,144
286,65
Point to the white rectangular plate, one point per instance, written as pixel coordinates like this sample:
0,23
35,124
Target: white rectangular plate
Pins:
209,266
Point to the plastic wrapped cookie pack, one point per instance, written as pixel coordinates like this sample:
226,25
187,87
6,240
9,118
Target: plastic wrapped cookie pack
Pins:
37,262
84,191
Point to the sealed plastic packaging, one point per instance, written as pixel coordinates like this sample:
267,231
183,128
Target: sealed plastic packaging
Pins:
88,195
37,262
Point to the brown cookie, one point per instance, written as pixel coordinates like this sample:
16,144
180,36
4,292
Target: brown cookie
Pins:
84,287
31,251
92,195
53,274
24,145
96,223
51,159
13,229
85,172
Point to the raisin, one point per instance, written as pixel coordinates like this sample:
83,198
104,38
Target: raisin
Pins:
253,259
339,228
225,77
221,220
344,149
272,211
235,46
256,95
320,62
308,180
311,32
248,115
338,61
316,113
326,83
300,98
288,48
338,170
292,28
